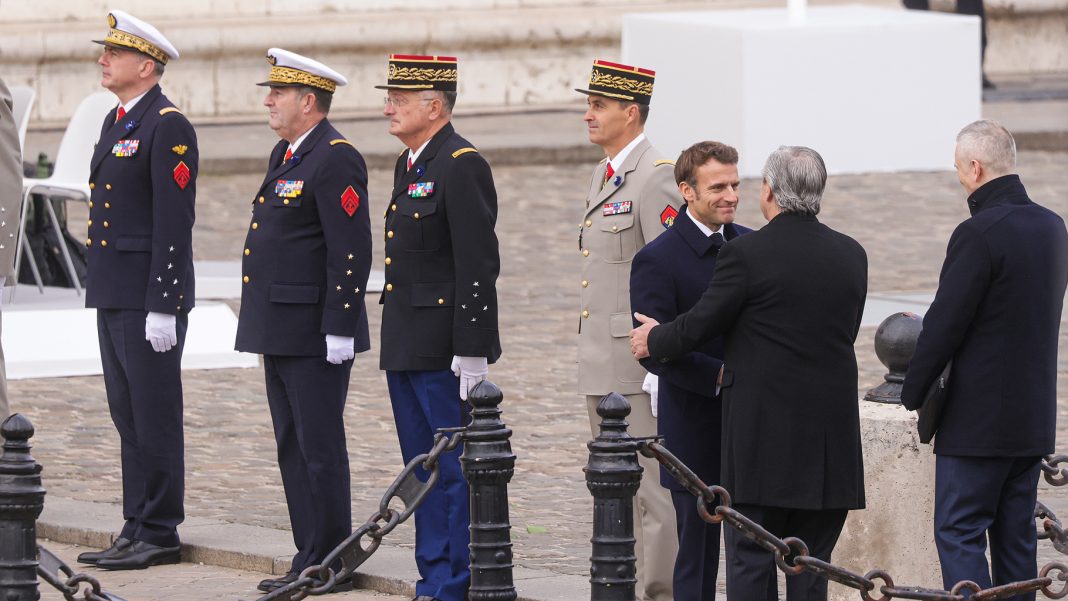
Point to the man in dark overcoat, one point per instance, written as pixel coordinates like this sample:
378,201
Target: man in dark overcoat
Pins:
667,278
788,301
996,316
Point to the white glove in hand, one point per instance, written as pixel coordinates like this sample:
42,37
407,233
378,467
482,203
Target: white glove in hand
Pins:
652,386
340,348
471,371
160,331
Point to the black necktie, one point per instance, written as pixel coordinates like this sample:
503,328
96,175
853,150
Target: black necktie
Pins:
717,240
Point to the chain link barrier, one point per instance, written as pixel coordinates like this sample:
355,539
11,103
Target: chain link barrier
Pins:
55,572
365,540
792,554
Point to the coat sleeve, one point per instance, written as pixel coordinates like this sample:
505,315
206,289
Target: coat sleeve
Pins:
713,314
10,183
174,191
471,210
653,293
962,286
659,195
341,181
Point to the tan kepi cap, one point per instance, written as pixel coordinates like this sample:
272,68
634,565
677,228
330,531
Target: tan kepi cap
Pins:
291,69
127,31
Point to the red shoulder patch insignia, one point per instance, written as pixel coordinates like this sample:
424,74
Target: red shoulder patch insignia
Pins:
668,215
350,201
181,175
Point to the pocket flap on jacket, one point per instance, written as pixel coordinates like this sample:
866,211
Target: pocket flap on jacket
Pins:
134,244
300,294
617,223
411,208
620,325
433,294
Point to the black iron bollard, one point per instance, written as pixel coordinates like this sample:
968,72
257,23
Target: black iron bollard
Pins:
613,476
488,465
895,342
21,502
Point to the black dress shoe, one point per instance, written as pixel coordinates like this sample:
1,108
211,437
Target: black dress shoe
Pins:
91,557
140,555
271,584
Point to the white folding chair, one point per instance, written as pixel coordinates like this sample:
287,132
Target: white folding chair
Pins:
22,98
70,178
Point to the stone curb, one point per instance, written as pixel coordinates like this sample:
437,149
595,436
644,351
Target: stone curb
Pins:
269,551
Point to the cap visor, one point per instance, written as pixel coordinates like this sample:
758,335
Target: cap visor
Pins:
606,94
417,86
278,84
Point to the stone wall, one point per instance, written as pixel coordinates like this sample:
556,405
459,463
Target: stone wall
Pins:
514,54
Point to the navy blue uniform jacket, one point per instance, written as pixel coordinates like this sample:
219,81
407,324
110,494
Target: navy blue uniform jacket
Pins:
788,300
306,257
142,179
442,259
667,278
996,314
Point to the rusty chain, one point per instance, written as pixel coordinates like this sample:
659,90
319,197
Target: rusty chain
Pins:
792,554
356,549
55,572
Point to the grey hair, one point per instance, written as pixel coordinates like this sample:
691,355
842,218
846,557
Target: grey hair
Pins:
796,176
989,143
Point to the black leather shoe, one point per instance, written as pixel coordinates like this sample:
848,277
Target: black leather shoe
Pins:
91,557
271,584
140,555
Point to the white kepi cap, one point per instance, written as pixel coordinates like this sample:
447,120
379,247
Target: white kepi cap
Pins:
291,69
127,31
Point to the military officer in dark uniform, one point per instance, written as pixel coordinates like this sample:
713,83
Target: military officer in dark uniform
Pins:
306,260
439,320
140,279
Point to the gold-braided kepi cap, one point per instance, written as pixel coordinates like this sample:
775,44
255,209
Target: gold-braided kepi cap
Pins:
291,69
620,81
127,31
417,72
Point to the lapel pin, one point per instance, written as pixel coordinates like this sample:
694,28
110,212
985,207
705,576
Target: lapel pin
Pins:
617,180
419,171
131,125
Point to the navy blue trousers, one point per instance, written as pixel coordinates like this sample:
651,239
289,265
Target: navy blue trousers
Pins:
144,391
981,497
424,401
697,562
307,400
751,570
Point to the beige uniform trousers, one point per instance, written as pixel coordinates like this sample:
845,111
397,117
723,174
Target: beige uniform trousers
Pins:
656,542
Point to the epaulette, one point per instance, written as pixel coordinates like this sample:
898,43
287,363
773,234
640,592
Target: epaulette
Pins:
463,151
663,162
169,109
341,141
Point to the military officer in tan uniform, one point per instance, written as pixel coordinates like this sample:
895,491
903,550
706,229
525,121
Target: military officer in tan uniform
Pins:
10,200
632,199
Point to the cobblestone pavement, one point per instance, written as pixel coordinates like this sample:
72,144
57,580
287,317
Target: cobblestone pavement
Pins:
903,220
180,582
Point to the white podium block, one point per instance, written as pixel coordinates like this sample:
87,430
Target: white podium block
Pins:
870,89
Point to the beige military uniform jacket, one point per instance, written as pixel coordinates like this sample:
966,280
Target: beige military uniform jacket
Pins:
631,209
10,185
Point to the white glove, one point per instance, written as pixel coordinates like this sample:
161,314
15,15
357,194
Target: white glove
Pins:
340,348
160,331
471,371
651,384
